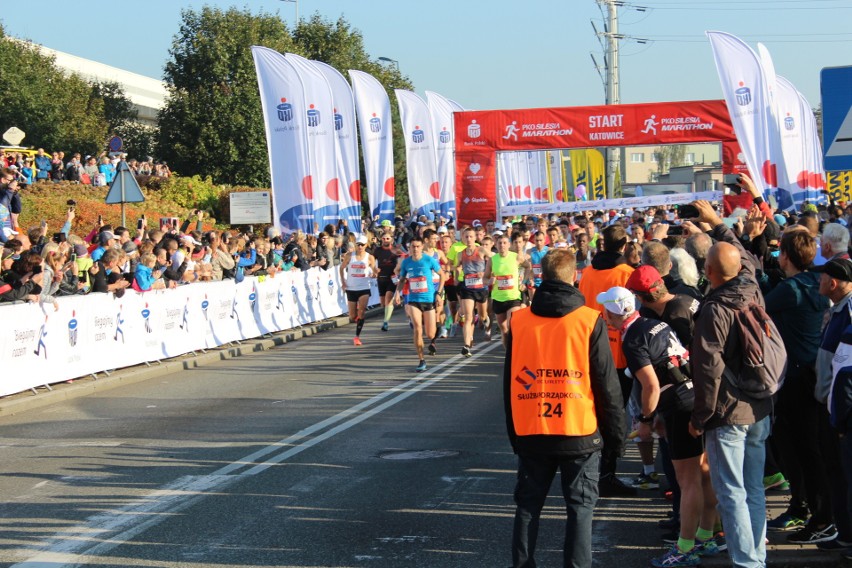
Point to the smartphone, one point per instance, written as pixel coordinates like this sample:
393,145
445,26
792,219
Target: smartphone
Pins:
732,183
59,237
74,257
674,231
140,223
100,220
43,223
688,211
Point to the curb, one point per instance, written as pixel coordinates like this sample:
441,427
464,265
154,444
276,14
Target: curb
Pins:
25,401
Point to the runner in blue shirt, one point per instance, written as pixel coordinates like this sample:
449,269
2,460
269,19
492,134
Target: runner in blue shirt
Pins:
416,270
536,254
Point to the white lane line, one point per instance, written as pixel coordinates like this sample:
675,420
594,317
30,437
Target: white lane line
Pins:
73,545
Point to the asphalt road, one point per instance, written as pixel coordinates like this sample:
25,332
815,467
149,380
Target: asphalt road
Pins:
313,454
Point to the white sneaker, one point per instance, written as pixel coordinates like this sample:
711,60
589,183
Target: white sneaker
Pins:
443,333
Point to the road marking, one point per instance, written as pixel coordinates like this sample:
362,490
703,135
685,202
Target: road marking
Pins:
101,533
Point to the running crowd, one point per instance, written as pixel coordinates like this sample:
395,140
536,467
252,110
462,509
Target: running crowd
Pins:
666,286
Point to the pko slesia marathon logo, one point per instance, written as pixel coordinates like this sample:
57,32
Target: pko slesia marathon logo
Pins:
375,124
285,111
313,116
417,135
338,120
743,95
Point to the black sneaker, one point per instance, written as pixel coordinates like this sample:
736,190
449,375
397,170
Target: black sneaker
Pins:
835,544
466,351
610,486
432,349
813,535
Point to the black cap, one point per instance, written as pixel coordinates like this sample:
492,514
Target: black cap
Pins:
839,269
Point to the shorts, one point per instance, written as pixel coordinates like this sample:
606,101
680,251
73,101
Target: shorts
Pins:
681,443
503,307
353,295
452,292
479,296
423,306
386,285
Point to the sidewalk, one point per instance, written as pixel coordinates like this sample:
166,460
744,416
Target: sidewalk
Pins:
654,508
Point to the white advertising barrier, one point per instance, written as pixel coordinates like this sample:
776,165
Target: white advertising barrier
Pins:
604,204
98,332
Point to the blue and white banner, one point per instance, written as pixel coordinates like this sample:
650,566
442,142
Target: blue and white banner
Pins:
376,126
747,96
441,109
323,185
424,191
98,332
346,140
284,110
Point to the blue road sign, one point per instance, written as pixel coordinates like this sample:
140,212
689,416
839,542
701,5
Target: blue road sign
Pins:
115,144
836,90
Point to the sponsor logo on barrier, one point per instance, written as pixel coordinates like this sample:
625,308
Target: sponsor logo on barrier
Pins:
72,329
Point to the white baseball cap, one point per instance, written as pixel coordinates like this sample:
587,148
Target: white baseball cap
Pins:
362,240
617,300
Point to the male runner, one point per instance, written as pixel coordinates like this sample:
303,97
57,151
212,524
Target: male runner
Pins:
386,260
473,291
504,267
356,268
430,248
536,256
416,272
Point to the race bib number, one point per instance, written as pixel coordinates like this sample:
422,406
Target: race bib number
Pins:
473,281
506,282
418,285
536,270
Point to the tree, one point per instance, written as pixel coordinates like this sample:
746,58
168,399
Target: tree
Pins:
56,111
212,122
669,157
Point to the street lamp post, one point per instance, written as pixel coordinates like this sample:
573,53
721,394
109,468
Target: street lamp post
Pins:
296,2
393,62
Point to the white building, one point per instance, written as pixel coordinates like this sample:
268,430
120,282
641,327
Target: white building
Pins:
148,95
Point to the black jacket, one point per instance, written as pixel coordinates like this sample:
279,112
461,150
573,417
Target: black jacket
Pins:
554,300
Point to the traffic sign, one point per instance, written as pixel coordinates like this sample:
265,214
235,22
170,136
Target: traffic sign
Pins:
115,144
836,90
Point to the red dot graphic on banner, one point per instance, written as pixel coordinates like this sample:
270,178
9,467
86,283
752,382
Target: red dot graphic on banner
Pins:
527,192
517,192
374,115
559,195
741,83
416,127
332,189
538,194
770,174
435,190
308,187
389,187
355,190
312,106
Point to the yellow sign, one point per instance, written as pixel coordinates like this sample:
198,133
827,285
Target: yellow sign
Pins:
839,185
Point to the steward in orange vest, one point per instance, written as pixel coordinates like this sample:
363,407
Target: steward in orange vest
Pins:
563,403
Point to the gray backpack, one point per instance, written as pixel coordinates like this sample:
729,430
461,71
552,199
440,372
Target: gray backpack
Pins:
764,358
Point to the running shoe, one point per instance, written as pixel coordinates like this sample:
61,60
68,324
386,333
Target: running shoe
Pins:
385,326
650,481
410,323
432,349
488,333
443,333
722,542
813,535
710,547
610,486
774,480
357,341
675,557
785,522
454,330
421,367
835,544
466,351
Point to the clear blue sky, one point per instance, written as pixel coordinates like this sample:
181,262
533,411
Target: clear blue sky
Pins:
498,53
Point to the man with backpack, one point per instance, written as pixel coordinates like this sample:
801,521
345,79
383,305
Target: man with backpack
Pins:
735,425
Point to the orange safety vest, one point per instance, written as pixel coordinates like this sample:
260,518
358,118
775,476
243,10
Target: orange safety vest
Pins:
593,283
551,389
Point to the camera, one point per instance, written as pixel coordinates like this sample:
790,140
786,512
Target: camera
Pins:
674,231
688,211
732,183
59,238
72,204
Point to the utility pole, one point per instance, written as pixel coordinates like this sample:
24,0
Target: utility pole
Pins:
612,88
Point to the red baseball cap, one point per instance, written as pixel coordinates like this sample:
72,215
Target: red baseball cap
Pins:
645,279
